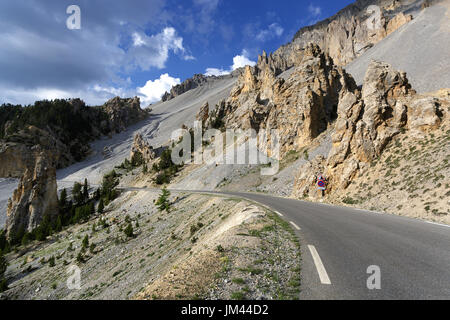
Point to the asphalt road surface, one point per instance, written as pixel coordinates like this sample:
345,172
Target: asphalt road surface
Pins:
343,249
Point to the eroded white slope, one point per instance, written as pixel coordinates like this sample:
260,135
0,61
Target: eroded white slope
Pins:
165,118
421,48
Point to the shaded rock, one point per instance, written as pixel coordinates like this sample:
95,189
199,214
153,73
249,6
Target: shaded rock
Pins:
34,198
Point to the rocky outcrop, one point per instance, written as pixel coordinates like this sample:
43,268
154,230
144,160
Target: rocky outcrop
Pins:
398,21
15,154
123,113
35,197
64,132
189,84
351,32
369,119
203,114
33,154
140,146
300,105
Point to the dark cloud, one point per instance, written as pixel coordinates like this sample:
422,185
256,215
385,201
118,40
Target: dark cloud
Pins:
39,54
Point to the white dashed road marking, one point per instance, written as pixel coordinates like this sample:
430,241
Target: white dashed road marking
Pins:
319,266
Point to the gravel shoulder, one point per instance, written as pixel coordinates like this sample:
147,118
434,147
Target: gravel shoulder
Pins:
194,251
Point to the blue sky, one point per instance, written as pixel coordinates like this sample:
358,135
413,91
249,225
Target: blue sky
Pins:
140,47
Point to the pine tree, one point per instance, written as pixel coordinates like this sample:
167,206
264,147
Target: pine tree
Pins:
101,206
58,227
85,243
92,208
163,202
26,239
63,199
85,190
77,194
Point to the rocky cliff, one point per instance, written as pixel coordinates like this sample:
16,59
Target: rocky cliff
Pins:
35,197
189,84
353,30
65,131
368,120
34,153
300,104
122,113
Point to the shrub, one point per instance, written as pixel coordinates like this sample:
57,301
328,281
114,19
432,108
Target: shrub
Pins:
26,239
3,285
80,256
51,261
349,200
129,231
162,178
137,160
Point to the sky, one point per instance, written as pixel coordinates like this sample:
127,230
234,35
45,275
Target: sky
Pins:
137,48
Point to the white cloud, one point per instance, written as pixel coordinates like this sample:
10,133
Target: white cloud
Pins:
314,11
242,61
154,90
96,95
189,58
239,61
273,31
216,72
153,51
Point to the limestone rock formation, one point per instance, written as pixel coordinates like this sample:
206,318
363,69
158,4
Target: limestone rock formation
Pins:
300,104
398,21
203,114
123,113
141,146
15,155
369,119
35,197
189,84
352,31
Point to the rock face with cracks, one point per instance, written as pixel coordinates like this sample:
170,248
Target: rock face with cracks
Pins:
141,146
34,198
299,105
368,120
353,30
